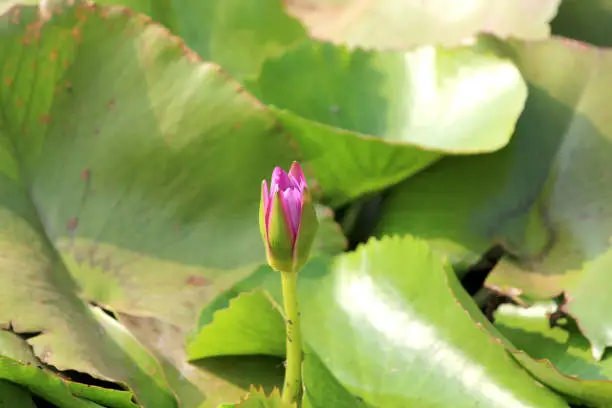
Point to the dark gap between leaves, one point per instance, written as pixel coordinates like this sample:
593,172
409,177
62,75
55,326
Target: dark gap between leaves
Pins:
475,277
26,335
477,274
359,218
105,310
84,378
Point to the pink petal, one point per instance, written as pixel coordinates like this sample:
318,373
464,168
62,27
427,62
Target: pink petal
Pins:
292,204
265,194
280,180
296,175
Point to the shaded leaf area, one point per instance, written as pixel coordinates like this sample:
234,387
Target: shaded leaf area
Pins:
323,390
203,383
410,23
545,197
560,357
236,34
18,365
588,21
366,120
389,303
109,134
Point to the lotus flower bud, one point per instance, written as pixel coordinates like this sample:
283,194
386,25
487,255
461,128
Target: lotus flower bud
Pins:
287,219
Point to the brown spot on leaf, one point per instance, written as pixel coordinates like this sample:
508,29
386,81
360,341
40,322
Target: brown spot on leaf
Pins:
106,264
86,174
76,34
53,55
96,132
33,31
575,43
15,16
19,102
191,56
8,81
111,104
197,281
72,223
237,125
46,119
81,14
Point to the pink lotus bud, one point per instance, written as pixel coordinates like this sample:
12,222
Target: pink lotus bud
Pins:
287,219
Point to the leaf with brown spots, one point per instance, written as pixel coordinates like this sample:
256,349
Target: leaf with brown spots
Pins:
238,35
147,217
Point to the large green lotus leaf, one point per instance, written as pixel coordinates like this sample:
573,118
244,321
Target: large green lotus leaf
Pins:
365,120
545,196
402,24
589,21
563,359
340,332
385,323
237,35
116,186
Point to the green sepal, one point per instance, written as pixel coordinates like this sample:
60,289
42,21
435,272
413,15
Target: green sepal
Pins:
262,216
309,225
280,243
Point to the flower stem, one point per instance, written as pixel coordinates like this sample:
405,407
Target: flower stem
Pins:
293,370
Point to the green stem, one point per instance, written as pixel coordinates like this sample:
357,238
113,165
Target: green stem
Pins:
293,370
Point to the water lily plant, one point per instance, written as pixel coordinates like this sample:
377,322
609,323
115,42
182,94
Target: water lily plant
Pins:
288,225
